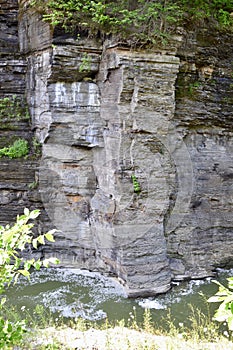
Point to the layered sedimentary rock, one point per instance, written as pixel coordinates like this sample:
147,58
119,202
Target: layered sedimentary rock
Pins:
15,175
204,118
136,164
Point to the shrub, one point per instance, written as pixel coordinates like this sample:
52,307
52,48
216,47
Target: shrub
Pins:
13,240
140,21
224,296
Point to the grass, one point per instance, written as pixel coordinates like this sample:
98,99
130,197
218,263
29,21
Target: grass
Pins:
46,333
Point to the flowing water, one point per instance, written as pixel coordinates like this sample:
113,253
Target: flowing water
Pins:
74,293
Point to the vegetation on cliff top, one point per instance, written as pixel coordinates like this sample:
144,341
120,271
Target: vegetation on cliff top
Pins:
140,21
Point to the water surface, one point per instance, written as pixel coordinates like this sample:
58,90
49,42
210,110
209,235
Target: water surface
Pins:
74,293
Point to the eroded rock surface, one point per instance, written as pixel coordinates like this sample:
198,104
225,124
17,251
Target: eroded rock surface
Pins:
136,165
15,175
204,118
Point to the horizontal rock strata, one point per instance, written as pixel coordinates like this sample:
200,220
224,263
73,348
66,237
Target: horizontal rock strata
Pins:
135,169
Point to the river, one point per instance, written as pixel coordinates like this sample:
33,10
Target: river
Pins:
74,293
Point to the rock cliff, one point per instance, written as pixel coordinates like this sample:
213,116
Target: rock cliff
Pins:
17,175
135,169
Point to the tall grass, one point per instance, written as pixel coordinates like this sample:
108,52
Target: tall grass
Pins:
47,333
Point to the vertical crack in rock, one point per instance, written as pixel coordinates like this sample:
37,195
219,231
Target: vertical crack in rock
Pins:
135,173
128,224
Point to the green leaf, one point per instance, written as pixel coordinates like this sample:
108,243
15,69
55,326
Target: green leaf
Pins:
49,261
221,315
231,307
230,282
26,212
46,263
41,239
49,236
215,299
54,261
34,214
34,243
3,300
230,323
27,265
14,238
16,278
37,264
25,273
229,299
224,306
7,236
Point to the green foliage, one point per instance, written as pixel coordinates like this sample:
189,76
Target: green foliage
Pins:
50,333
17,150
36,147
198,326
136,185
33,185
13,240
16,238
147,321
13,107
85,65
193,87
224,296
140,20
11,333
137,20
215,10
145,336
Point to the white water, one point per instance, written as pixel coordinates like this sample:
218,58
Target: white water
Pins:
77,293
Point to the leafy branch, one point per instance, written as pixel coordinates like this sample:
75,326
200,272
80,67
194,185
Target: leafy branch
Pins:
13,240
16,238
224,296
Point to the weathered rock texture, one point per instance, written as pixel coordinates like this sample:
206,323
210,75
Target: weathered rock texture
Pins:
17,175
204,118
106,115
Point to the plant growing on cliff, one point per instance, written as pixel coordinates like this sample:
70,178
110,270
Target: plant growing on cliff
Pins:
193,87
13,107
224,296
17,150
218,11
140,21
36,147
13,240
136,185
85,65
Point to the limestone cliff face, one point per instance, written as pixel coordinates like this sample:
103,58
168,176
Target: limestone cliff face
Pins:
204,118
136,164
17,175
